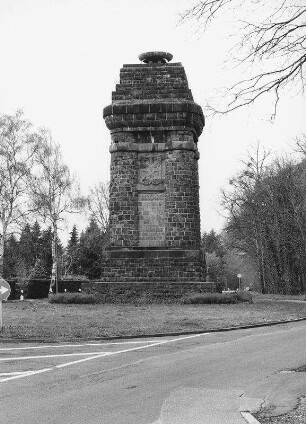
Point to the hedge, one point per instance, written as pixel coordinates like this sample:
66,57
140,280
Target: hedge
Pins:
39,288
72,298
209,298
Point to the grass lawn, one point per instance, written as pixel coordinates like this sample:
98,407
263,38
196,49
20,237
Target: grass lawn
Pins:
280,296
39,319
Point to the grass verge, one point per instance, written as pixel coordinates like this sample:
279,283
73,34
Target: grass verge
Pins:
40,319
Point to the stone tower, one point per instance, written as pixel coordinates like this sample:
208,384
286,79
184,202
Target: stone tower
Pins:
154,186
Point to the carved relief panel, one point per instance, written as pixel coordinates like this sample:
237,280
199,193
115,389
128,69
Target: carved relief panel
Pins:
151,170
151,199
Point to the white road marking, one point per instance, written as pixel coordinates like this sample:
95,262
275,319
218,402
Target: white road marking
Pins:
74,345
14,373
129,350
21,358
104,354
118,343
25,375
67,364
38,347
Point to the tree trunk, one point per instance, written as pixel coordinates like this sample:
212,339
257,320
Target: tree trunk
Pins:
53,283
2,247
1,254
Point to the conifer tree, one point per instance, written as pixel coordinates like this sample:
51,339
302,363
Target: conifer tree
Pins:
72,253
90,253
36,241
11,254
26,248
46,252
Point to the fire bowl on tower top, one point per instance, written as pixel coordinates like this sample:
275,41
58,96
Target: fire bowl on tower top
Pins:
155,57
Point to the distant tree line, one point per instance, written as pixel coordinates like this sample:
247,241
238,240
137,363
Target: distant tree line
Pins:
224,262
265,234
30,256
37,191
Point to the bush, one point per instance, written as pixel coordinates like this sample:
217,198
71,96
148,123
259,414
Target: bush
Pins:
244,296
39,288
219,287
73,298
36,289
209,298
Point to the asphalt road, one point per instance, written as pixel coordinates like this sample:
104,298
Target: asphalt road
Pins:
204,378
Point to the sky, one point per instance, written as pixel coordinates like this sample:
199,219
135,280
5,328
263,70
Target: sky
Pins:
61,60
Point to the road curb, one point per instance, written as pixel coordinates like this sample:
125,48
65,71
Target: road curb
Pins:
143,336
249,418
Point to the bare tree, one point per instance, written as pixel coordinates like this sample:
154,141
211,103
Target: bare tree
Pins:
272,44
98,203
300,144
244,205
18,144
54,192
266,219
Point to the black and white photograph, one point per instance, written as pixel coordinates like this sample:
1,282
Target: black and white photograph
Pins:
153,212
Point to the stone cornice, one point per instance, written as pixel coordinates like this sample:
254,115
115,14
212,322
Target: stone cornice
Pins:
153,147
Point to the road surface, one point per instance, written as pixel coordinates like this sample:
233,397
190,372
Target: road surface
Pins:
207,378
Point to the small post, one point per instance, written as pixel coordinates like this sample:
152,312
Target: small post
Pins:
56,283
5,291
1,319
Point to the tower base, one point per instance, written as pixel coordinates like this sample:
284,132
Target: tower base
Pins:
154,265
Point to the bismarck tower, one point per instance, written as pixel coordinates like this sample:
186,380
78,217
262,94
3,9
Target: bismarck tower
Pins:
154,185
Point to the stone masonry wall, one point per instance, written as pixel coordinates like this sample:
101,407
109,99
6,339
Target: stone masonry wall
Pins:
153,291
153,265
182,206
123,200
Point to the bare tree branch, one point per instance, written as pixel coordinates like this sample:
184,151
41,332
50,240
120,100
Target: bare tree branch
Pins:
98,203
274,48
